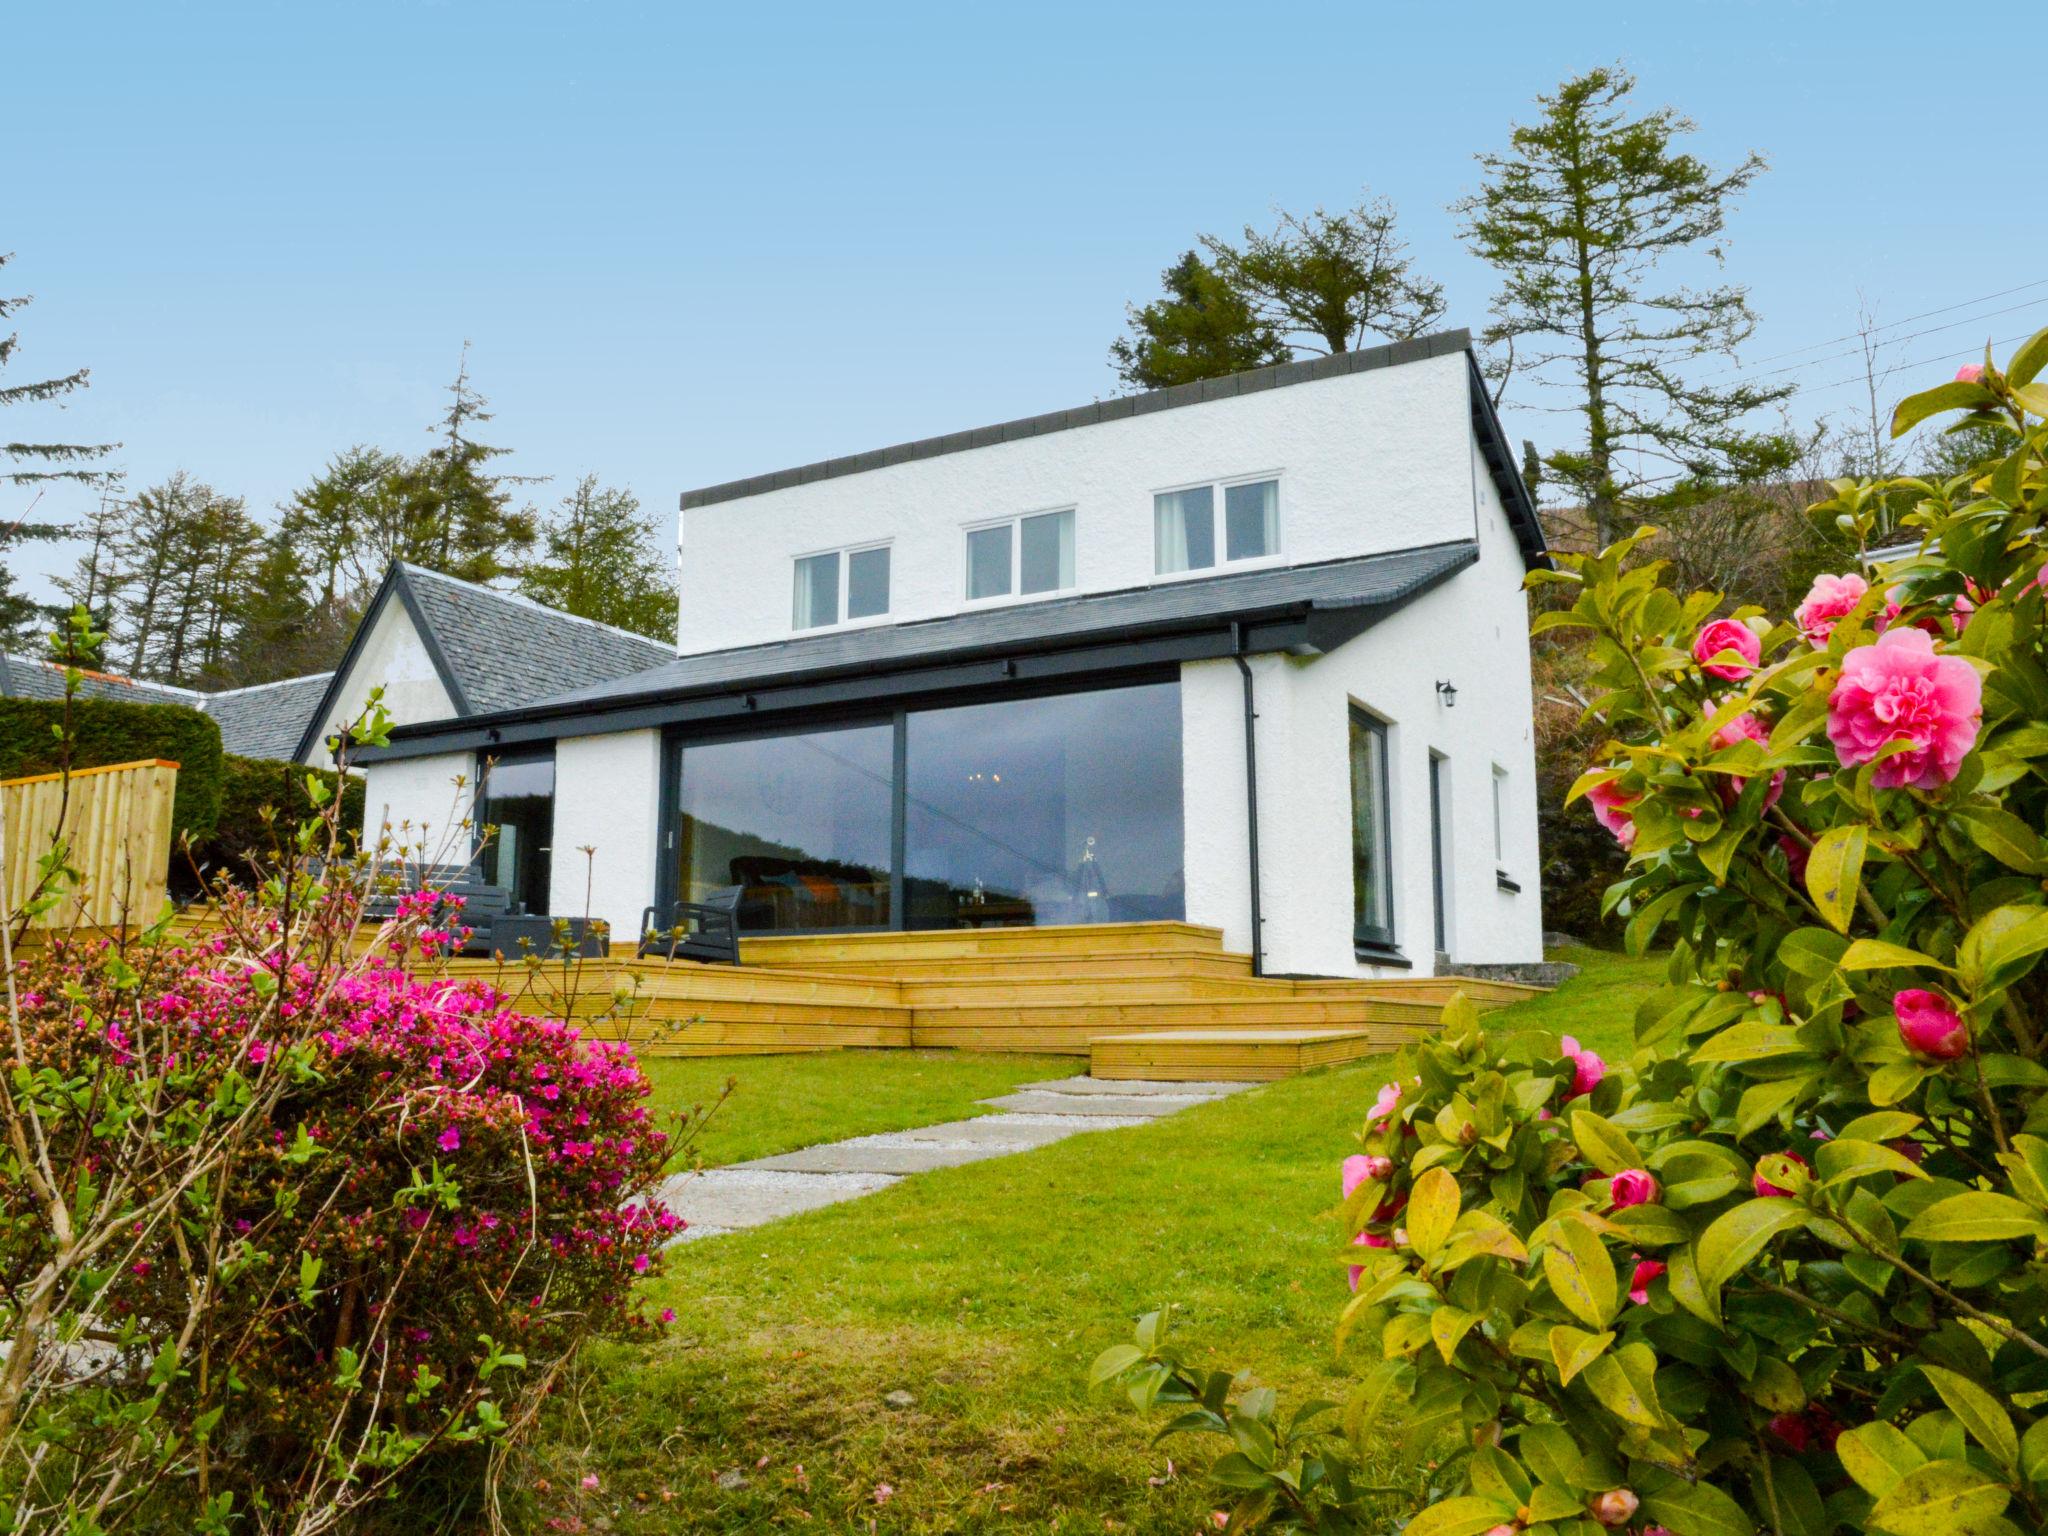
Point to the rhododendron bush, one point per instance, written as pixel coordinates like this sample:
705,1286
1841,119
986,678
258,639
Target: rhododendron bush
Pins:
287,1228
1785,1268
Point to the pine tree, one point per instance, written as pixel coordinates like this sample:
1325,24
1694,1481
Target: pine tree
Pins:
1576,217
1201,329
33,467
348,524
452,501
601,559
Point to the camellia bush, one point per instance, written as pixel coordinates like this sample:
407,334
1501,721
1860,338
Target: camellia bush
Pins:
1785,1269
296,1233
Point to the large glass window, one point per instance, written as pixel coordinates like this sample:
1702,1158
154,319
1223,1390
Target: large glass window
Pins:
1062,809
1372,873
516,819
1021,556
1052,810
801,823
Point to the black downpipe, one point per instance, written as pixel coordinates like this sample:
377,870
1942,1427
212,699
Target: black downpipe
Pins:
1251,801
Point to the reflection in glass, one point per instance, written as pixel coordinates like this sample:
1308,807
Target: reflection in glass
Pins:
988,562
517,797
1251,520
1045,545
1372,879
1052,810
1184,530
867,583
800,823
817,592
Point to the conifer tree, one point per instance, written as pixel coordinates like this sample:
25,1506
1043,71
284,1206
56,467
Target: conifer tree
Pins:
1577,217
30,468
454,505
601,559
1202,328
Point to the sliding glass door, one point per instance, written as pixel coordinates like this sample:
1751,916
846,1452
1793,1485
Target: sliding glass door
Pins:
1063,808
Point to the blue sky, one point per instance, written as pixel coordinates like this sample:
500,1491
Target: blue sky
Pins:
689,243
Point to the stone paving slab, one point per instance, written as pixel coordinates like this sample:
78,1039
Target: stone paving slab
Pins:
873,1154
1012,1132
1135,1087
726,1198
1143,1106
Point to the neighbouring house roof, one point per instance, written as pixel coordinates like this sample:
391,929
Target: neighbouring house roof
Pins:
1493,442
265,720
1303,609
493,650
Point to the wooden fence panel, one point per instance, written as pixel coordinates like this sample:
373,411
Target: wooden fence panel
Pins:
116,825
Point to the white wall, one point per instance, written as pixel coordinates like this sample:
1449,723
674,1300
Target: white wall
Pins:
1367,462
393,656
424,808
1471,631
607,799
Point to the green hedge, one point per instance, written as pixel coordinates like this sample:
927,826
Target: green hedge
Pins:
251,784
106,731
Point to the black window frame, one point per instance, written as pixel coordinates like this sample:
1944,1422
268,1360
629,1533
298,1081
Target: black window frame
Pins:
1366,937
485,852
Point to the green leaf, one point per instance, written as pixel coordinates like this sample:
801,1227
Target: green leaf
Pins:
1112,1363
2005,837
1892,1082
1989,1424
1739,1235
1581,1274
1574,1349
1466,1516
1996,944
1834,873
1448,1327
1956,395
1606,1146
1976,1217
1877,1455
2028,362
1696,1509
1752,1040
1942,1498
1845,1158
1763,1102
1433,1211
1876,955
1624,1393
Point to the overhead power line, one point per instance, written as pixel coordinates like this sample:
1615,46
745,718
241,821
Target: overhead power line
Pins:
1891,325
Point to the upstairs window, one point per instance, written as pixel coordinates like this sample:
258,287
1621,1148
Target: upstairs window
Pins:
1021,556
853,582
1185,535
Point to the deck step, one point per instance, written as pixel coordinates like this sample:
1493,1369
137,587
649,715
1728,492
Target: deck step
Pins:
1227,1055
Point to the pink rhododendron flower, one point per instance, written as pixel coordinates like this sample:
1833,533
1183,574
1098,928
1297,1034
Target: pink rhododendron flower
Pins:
1725,635
668,1314
1587,1067
1632,1186
1616,1506
1639,1283
1930,1025
1899,690
640,1263
1611,808
590,1481
1766,1190
1747,727
259,1052
1828,601
449,1140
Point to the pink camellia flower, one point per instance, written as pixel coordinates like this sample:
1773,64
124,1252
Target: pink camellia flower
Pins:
1828,601
1587,1067
1612,809
1747,727
1791,1429
1969,373
1929,1025
1632,1186
1388,1101
1796,855
1356,1172
1377,1167
1899,690
1766,1190
1615,1507
1727,635
1639,1283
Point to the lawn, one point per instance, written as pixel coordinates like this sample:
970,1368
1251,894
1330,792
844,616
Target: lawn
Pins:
983,1292
780,1103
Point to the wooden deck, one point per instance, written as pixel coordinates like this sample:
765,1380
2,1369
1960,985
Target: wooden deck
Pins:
1161,1000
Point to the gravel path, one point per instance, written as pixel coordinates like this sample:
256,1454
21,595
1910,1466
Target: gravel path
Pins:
721,1200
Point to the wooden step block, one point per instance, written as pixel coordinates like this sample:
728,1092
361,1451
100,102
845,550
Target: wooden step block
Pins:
1226,1055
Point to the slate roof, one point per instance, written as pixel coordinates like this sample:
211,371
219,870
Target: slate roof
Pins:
505,650
265,720
1337,598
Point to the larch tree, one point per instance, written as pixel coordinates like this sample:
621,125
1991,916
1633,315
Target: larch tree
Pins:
461,509
1200,328
1577,217
30,468
601,558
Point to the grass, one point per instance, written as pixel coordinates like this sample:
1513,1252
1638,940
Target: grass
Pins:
983,1292
781,1103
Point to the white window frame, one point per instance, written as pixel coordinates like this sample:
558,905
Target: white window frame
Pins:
845,552
1220,526
1015,521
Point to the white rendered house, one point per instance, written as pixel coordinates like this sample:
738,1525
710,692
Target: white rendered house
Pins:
1250,653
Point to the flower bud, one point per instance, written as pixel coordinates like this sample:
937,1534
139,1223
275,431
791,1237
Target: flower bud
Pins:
1377,1167
1766,1189
1632,1186
1929,1026
1970,373
1617,1506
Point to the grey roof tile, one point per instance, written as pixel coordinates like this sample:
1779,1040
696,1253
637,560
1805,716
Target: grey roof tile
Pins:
507,650
261,721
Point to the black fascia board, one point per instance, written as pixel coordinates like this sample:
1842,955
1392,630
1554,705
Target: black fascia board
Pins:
310,737
1507,479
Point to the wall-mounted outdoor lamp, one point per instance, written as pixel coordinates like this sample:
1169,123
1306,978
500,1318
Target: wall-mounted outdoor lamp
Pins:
1448,694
